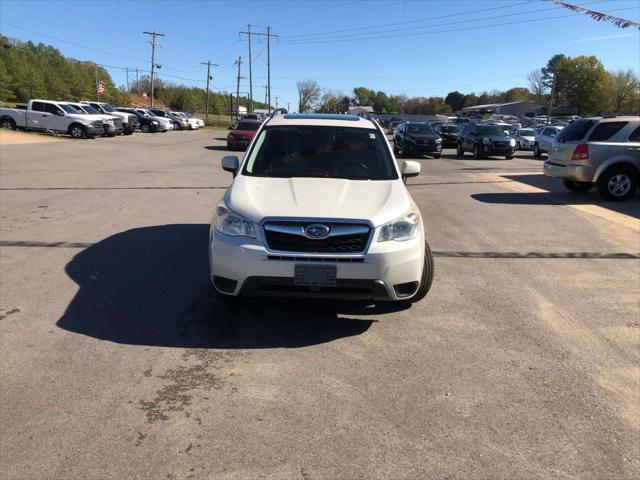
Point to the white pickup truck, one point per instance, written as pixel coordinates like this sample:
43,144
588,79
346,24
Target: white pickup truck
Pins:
129,120
50,116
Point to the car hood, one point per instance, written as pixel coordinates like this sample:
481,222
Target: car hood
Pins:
528,138
499,138
257,198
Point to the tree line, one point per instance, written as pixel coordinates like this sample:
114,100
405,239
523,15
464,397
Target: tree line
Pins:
581,83
29,70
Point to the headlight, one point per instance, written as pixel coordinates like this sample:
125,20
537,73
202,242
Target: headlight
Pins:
438,140
401,229
155,122
512,142
232,224
486,141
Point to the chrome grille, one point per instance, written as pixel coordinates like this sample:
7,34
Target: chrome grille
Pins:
342,237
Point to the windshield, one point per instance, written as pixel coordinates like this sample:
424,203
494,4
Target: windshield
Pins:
525,132
329,152
89,109
248,126
79,109
449,129
68,108
489,130
108,108
419,128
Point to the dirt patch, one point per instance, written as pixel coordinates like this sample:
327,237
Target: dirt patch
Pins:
13,137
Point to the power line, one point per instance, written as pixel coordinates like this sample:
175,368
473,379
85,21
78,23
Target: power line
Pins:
478,27
438,24
268,35
72,43
208,64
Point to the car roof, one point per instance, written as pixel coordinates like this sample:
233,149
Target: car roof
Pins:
321,120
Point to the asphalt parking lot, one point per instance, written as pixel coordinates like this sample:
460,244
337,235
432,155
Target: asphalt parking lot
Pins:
118,362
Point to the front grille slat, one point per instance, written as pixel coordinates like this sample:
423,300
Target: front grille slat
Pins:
291,242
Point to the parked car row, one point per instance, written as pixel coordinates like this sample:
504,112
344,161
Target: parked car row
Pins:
91,119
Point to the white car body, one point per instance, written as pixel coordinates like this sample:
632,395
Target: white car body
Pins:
51,116
129,120
272,208
544,138
194,123
524,141
112,124
164,124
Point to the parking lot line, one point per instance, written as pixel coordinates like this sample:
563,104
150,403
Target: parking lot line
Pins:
595,210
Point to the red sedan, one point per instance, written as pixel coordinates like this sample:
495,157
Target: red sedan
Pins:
241,135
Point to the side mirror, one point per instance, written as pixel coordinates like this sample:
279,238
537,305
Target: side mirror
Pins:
60,113
230,163
410,169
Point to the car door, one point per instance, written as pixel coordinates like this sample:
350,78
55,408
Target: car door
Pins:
37,116
470,137
56,120
633,146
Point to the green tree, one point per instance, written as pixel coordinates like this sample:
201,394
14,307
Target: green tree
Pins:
455,100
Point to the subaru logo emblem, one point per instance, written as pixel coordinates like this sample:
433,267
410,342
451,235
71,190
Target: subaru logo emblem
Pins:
316,230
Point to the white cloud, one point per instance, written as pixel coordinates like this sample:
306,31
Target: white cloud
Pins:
605,37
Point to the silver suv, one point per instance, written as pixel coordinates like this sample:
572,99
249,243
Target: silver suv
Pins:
544,138
604,152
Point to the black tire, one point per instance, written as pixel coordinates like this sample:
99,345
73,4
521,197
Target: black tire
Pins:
177,126
395,147
476,152
577,187
536,151
402,152
436,155
618,183
508,157
427,276
459,150
518,147
128,131
8,123
77,131
145,128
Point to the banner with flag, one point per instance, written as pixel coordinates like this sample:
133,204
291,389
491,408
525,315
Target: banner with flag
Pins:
100,88
144,94
599,16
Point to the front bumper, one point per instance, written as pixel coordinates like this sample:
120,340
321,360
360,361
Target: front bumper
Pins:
94,131
490,150
243,266
575,173
424,147
112,129
236,144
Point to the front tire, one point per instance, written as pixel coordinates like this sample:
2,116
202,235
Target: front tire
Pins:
476,152
459,150
77,131
508,157
536,151
577,187
177,126
618,183
427,276
145,128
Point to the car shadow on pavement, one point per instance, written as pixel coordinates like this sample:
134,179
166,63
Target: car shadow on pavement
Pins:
216,147
555,194
150,286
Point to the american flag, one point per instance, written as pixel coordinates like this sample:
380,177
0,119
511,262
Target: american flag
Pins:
100,87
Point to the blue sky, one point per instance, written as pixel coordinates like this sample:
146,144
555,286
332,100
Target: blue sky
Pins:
420,48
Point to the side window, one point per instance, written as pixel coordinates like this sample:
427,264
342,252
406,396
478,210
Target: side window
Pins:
605,130
635,135
547,131
37,106
51,108
96,106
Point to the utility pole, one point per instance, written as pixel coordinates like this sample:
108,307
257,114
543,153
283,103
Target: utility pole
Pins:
137,82
248,33
265,96
208,64
268,35
127,70
288,107
238,62
553,87
153,43
277,102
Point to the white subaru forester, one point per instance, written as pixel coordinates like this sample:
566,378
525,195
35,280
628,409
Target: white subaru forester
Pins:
319,208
